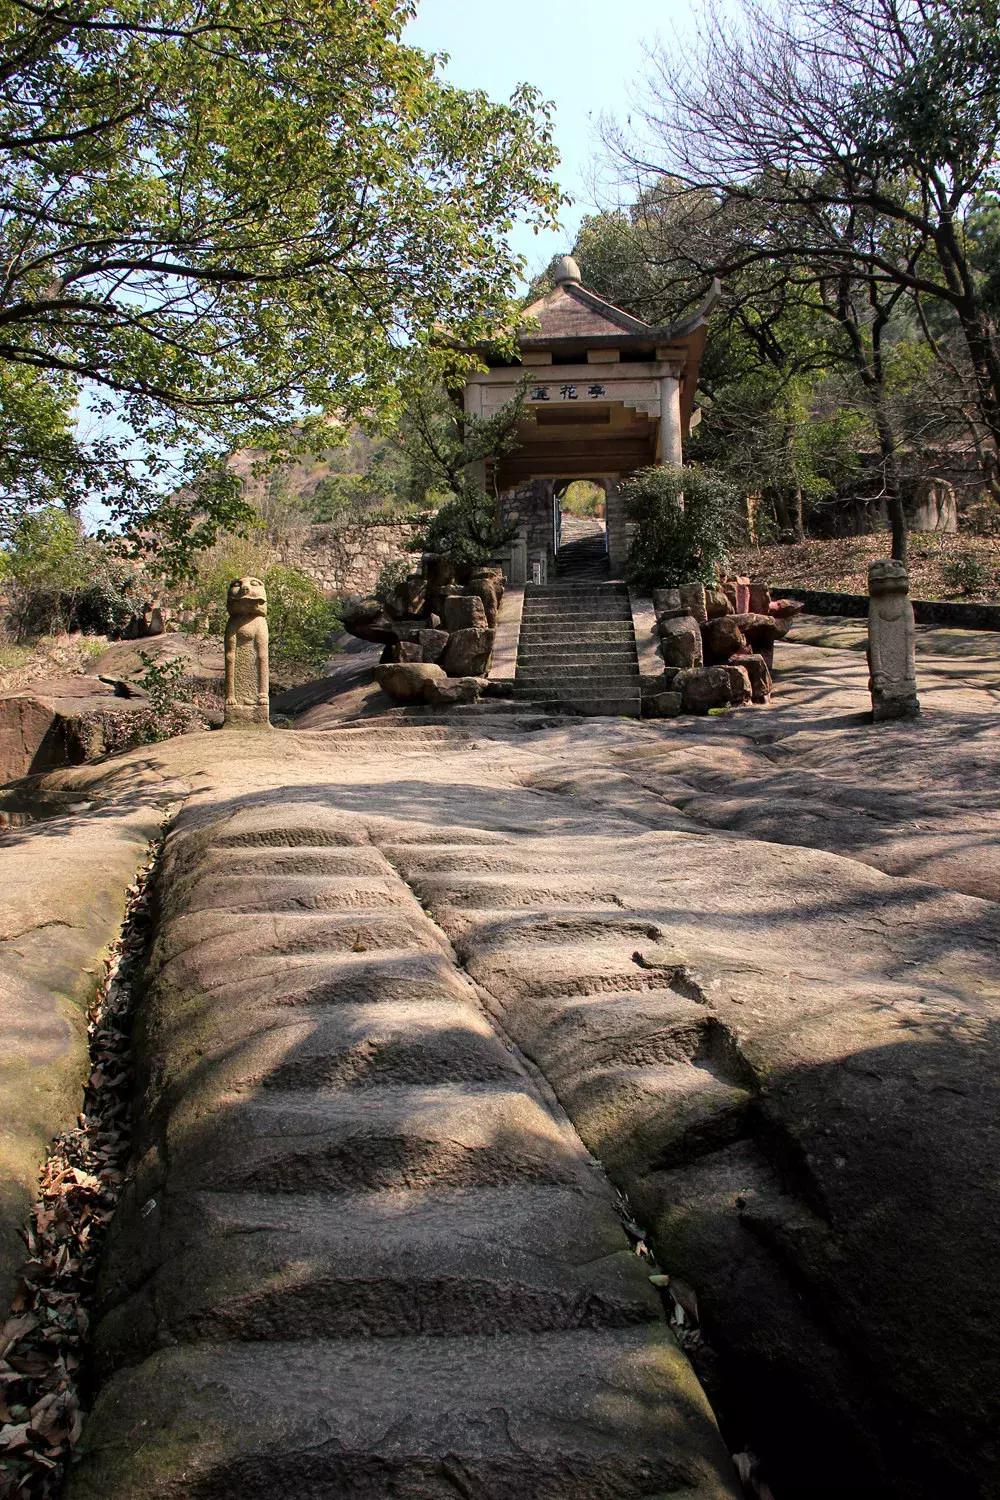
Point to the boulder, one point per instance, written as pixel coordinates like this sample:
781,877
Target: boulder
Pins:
432,643
662,705
717,603
402,651
452,690
487,583
58,722
707,689
759,674
742,595
366,619
761,631
468,651
680,641
410,597
740,691
760,598
439,573
723,639
694,601
465,612
728,588
785,609
406,681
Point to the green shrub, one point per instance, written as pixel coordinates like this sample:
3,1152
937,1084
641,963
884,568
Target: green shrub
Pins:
301,619
684,519
110,599
966,574
45,569
466,528
390,578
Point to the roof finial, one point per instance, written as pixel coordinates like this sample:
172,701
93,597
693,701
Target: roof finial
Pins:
565,268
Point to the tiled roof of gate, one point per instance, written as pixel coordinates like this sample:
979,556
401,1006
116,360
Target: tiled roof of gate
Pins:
573,311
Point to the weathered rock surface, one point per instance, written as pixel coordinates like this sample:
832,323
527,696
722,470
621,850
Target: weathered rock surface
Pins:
363,1253
789,1059
55,723
63,886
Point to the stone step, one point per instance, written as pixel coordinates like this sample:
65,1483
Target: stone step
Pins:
570,651
627,707
384,1265
555,630
339,1141
625,672
564,1416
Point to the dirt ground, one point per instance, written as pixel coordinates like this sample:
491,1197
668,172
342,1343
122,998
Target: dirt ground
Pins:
841,565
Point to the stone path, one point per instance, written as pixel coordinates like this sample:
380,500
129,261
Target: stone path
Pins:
366,1254
576,649
393,954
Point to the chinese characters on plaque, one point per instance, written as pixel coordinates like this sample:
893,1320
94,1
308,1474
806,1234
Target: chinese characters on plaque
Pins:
567,392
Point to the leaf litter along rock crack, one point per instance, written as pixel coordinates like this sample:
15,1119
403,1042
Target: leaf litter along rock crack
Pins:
43,1384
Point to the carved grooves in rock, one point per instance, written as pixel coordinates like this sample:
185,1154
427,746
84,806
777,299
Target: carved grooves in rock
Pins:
362,1252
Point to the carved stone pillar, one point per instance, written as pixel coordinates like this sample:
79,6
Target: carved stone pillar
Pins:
891,653
246,651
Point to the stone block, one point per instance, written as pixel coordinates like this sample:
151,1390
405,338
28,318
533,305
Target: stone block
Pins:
693,600
717,603
667,603
680,641
432,643
701,691
662,705
465,612
740,689
760,599
723,639
401,651
468,651
758,671
452,690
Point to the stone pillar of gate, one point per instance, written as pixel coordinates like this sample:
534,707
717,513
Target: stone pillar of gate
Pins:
670,440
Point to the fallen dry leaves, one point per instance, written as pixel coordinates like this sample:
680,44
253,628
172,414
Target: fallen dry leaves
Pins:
42,1343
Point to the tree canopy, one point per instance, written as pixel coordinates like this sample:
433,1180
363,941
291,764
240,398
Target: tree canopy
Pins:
222,219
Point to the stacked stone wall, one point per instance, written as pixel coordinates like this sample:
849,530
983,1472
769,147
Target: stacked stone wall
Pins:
348,560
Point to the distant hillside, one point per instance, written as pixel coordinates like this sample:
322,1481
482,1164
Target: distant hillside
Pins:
363,474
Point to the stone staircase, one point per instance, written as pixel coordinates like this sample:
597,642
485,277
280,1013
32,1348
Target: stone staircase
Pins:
577,650
583,552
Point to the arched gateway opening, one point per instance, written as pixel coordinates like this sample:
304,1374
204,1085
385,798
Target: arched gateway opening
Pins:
605,394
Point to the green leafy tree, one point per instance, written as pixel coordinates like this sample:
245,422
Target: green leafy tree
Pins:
452,456
221,215
683,525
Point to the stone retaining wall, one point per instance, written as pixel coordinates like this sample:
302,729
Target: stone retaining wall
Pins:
926,611
349,560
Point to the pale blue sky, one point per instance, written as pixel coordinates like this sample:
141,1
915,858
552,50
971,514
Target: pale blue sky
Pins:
585,55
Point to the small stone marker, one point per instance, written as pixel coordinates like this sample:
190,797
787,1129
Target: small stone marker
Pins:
891,654
246,654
